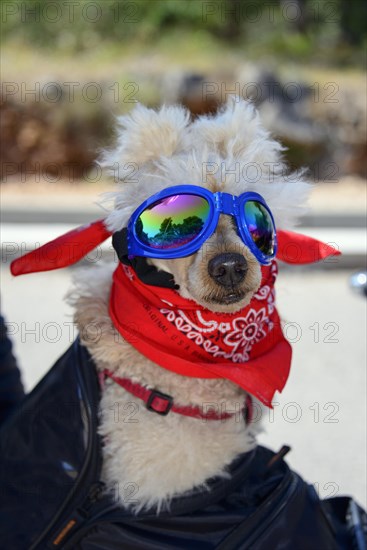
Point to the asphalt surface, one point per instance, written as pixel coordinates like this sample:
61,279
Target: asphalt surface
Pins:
321,413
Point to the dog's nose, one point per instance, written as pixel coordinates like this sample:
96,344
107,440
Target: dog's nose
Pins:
228,269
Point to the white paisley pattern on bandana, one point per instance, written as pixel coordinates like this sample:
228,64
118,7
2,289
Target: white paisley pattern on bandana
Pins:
233,339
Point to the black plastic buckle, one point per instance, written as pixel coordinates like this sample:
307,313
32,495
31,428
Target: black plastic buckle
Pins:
150,402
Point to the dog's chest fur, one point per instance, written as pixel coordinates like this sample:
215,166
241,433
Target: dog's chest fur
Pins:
163,456
160,456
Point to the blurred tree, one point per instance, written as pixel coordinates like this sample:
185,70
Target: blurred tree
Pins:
280,27
231,15
301,19
353,20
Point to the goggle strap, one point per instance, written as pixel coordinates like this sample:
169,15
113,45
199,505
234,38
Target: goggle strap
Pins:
147,273
119,243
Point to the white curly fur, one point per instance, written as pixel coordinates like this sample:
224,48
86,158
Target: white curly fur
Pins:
167,456
232,147
160,456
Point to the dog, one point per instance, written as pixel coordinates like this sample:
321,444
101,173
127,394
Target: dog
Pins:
183,331
229,153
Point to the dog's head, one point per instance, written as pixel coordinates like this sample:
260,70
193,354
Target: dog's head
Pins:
230,153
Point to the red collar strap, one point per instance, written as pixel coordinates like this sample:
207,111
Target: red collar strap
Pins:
162,404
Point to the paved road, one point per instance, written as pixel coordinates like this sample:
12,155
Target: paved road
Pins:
322,411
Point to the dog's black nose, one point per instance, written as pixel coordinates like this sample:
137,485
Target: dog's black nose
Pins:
228,269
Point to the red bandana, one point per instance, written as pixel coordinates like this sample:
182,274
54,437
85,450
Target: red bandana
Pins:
247,347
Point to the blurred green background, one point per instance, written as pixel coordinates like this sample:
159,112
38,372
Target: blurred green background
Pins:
68,67
332,33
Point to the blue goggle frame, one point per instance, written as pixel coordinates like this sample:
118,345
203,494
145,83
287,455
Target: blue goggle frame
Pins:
219,203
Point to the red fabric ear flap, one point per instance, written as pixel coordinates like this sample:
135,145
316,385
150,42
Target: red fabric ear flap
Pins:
62,251
295,248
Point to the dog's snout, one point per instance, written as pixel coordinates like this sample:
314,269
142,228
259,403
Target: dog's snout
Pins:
228,269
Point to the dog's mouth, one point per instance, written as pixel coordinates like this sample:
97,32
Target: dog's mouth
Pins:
230,297
227,299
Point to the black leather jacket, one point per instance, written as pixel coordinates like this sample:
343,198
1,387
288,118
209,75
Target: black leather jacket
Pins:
11,388
52,497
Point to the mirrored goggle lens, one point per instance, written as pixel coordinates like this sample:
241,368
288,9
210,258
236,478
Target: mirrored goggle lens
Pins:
173,221
260,226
